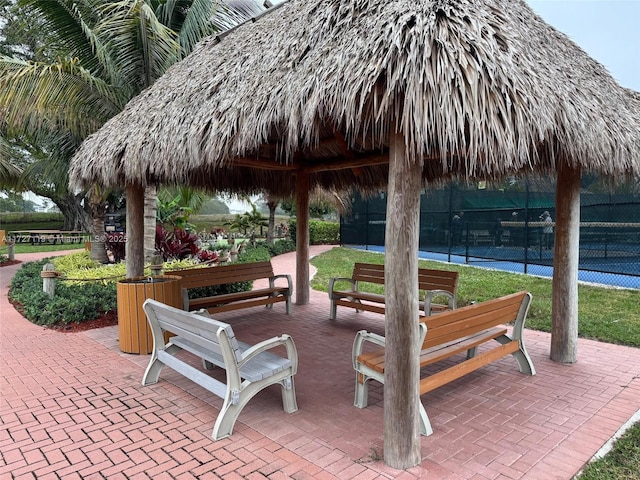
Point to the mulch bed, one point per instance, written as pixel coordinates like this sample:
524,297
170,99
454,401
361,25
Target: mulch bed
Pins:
109,319
6,263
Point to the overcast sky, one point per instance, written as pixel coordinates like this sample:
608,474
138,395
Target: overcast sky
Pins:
608,30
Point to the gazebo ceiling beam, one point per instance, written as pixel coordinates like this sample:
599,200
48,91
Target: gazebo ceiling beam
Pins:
359,162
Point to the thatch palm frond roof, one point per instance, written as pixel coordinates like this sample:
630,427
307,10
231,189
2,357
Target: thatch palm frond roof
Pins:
478,87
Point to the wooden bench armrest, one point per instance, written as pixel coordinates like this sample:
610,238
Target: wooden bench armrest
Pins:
286,340
272,281
435,293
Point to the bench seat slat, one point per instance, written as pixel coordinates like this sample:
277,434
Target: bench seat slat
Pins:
375,359
201,378
264,365
453,373
195,303
228,307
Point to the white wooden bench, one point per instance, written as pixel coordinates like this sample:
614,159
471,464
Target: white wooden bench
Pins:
445,335
249,368
434,283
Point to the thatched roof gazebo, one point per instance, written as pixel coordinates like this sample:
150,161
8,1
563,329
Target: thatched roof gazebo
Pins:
355,94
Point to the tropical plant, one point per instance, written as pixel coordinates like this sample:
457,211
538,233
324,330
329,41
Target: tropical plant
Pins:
98,54
176,205
239,224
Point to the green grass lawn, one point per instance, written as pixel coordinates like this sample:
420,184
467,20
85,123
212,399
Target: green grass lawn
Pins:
45,247
605,314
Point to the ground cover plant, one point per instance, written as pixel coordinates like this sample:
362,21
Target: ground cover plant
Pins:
86,290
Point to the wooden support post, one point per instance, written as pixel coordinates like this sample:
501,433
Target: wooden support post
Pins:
402,372
48,275
564,330
134,248
302,238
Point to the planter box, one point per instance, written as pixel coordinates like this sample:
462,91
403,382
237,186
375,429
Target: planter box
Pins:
133,330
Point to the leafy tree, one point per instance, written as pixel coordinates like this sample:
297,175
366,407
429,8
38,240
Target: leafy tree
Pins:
318,209
213,206
14,202
96,56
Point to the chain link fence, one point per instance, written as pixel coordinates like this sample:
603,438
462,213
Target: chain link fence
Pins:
511,226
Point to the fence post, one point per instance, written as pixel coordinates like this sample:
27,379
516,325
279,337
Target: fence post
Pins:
48,275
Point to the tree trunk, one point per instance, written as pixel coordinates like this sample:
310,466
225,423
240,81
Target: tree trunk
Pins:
98,243
150,212
402,369
76,217
272,205
134,248
564,329
302,238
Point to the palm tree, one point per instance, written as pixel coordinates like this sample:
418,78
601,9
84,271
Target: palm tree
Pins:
114,49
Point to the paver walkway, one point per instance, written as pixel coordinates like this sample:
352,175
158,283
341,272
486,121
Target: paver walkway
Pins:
72,407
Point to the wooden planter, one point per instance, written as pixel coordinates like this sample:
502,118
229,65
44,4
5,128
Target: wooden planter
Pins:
134,332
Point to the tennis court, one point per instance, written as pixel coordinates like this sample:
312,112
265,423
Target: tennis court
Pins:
478,258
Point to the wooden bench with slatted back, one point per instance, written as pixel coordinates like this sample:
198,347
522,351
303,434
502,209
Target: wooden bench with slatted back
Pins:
448,334
233,273
434,283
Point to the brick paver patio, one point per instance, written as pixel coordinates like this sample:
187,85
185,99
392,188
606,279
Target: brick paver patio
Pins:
72,407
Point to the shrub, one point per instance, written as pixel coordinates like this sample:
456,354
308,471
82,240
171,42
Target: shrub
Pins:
281,246
72,303
254,253
320,232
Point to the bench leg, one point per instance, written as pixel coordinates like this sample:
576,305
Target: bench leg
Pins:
333,310
425,424
207,365
235,401
288,304
356,300
289,402
362,397
521,355
152,373
524,361
362,391
472,352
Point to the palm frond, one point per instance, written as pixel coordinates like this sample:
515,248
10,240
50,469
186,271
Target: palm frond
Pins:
70,21
196,25
144,46
62,96
9,172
